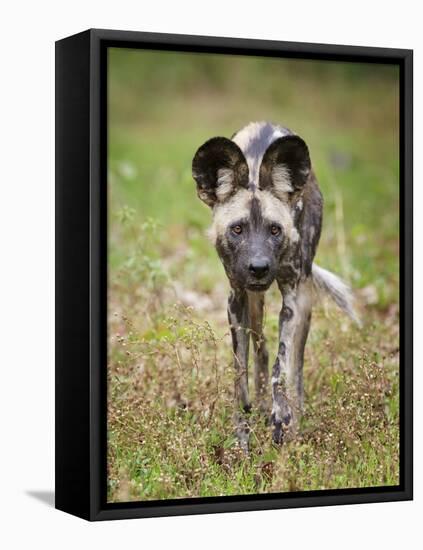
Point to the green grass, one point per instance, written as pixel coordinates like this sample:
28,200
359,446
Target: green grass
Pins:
170,380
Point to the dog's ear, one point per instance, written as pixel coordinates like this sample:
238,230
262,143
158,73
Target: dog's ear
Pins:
219,168
285,166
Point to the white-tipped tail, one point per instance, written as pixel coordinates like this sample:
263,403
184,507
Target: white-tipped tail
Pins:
330,284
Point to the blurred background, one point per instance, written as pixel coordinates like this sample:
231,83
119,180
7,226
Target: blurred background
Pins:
170,369
163,106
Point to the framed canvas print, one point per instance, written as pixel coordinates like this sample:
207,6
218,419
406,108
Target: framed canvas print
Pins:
233,274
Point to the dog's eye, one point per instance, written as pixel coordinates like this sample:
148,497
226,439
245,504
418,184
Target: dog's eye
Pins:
275,230
237,229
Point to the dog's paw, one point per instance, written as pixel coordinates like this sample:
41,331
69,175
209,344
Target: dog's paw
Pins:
281,428
243,435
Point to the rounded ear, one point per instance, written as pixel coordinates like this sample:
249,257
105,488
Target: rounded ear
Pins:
219,168
285,166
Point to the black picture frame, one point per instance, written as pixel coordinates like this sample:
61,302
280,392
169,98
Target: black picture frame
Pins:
81,273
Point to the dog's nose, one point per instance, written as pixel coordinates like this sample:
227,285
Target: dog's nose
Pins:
259,267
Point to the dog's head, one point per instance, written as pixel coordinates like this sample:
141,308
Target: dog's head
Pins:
253,224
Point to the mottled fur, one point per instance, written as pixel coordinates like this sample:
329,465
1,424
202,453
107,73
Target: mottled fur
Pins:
267,218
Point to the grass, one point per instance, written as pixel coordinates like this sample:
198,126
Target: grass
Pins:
170,379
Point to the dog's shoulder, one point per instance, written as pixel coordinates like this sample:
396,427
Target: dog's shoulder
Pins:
310,221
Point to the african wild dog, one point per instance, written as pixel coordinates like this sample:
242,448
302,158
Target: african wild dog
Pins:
267,217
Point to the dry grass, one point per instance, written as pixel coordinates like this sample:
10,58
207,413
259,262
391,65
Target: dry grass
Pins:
171,397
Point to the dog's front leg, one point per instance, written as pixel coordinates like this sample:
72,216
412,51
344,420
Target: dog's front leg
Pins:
261,356
287,374
238,322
